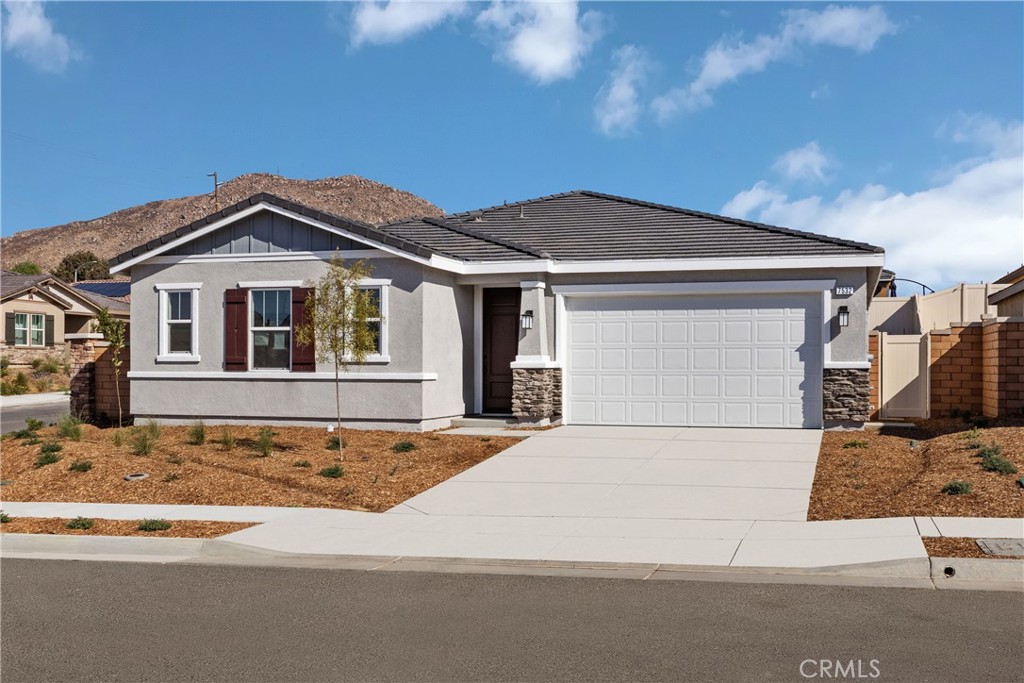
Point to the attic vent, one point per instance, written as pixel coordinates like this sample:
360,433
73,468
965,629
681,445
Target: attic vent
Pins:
478,217
521,214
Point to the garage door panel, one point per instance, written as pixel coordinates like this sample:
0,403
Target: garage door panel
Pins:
736,360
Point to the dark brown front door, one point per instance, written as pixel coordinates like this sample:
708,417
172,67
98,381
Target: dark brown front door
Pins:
501,343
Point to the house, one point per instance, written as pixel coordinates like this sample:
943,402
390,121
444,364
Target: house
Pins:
113,288
39,310
596,308
886,286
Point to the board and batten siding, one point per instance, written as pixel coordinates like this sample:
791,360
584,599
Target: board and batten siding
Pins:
262,233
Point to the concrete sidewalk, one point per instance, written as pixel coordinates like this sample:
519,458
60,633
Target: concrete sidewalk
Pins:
708,543
34,399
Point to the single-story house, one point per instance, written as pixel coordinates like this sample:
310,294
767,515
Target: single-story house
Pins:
38,310
596,308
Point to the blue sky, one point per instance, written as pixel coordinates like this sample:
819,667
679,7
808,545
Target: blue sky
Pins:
897,124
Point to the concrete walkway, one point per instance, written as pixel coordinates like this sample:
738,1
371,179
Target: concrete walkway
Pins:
33,399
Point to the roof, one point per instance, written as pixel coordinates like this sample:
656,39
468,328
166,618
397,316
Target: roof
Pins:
115,289
12,284
1011,277
573,226
1004,294
590,226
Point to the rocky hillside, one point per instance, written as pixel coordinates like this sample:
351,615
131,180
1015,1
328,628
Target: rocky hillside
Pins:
114,233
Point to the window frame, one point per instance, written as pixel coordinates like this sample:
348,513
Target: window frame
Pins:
382,286
252,329
164,355
33,328
25,328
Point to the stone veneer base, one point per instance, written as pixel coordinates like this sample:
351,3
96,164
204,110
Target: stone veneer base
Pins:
536,394
846,396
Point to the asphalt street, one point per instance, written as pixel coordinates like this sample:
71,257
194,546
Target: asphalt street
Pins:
105,621
13,419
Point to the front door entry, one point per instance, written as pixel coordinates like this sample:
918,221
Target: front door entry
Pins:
501,343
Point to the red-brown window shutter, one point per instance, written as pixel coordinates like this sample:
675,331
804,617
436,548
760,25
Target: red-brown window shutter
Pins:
236,330
303,355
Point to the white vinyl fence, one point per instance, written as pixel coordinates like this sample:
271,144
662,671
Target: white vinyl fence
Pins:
904,377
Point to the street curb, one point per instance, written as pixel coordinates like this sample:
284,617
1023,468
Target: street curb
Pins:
970,574
35,399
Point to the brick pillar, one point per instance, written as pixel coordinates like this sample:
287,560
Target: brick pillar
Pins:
1002,367
82,353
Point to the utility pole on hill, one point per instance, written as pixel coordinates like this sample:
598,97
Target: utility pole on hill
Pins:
216,186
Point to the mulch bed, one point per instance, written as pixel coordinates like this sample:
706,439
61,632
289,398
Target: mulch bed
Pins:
375,477
120,527
954,546
889,478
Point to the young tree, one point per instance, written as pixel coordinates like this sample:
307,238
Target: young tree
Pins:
82,265
113,330
336,321
26,268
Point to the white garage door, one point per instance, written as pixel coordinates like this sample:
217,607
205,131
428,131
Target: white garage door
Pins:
728,360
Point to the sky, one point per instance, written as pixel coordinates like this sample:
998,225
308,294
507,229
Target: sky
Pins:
895,124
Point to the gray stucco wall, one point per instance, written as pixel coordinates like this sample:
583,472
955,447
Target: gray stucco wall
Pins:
298,397
447,345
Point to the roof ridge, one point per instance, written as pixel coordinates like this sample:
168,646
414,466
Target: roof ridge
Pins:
487,238
506,205
737,221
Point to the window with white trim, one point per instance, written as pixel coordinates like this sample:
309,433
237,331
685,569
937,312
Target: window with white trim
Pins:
270,329
179,325
378,324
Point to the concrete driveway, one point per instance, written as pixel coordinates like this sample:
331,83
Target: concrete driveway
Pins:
629,473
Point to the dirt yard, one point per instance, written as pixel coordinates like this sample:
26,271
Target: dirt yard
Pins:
379,470
953,546
119,527
901,472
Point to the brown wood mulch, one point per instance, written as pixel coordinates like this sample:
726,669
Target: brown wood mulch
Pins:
375,477
890,478
955,546
120,527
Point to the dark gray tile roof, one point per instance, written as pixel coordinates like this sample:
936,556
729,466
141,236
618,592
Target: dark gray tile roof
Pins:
585,226
114,289
573,226
13,283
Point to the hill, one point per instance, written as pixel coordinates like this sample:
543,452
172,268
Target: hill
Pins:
109,235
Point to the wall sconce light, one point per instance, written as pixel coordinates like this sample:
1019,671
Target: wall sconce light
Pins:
527,320
844,316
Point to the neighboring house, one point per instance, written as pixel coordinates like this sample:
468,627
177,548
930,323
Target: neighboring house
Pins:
601,309
39,310
886,286
114,288
1011,278
1010,301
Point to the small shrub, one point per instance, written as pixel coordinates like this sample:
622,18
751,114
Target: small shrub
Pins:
171,476
50,365
51,447
23,434
69,427
998,464
82,523
45,459
117,438
175,460
335,443
197,434
42,385
34,425
265,442
992,451
154,525
36,363
980,422
227,440
856,444
4,518
5,363
302,463
403,447
152,427
80,466
32,441
332,472
957,488
142,442
21,382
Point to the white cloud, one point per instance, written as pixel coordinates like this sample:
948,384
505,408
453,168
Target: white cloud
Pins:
803,163
821,92
857,28
29,33
379,23
617,107
545,40
967,228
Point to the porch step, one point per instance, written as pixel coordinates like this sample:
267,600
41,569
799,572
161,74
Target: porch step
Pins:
485,422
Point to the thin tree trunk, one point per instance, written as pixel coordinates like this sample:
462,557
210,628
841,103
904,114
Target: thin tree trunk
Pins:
117,390
337,405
